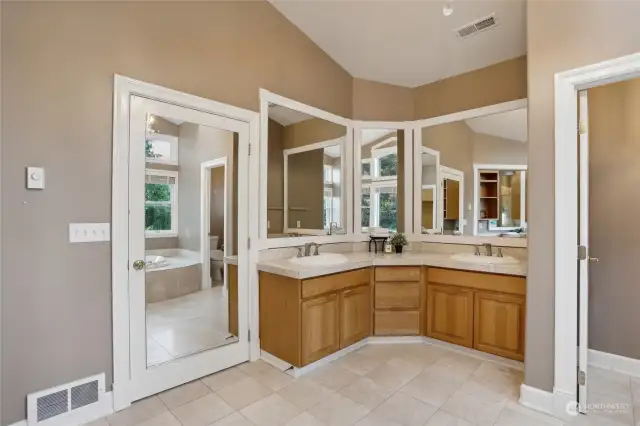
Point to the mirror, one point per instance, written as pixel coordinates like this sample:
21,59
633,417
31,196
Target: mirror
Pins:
482,176
305,184
381,179
190,174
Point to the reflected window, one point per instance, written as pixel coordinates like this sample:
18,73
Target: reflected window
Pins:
365,205
366,168
160,199
388,165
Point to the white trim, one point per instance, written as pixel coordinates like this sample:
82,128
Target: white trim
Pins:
205,215
434,188
418,149
457,175
473,240
173,232
266,98
613,362
82,416
394,340
566,206
476,191
245,123
536,399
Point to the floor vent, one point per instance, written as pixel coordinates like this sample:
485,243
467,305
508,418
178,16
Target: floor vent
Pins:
477,26
55,406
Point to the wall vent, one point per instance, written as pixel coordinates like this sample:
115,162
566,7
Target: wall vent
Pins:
475,27
56,406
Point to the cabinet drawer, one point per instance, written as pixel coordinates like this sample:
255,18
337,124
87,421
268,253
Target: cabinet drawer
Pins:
330,283
399,323
397,295
478,280
398,273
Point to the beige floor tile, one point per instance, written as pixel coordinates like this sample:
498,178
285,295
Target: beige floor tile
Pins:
234,419
253,368
442,418
394,374
156,354
366,392
516,414
271,411
459,361
372,419
138,412
337,410
423,355
182,394
164,419
358,363
202,411
405,410
435,385
304,393
610,409
382,353
474,408
243,393
333,377
224,378
273,378
609,383
304,419
635,391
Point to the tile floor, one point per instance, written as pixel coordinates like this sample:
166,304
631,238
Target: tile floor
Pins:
186,325
377,385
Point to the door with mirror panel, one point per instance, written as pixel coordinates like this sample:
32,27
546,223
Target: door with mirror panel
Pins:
306,174
188,309
482,179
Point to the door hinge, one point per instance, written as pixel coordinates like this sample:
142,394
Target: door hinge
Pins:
249,243
582,378
582,128
582,253
249,149
249,335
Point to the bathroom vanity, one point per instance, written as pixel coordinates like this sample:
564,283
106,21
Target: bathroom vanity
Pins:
308,313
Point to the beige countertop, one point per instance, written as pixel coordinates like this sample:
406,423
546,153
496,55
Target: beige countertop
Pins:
359,260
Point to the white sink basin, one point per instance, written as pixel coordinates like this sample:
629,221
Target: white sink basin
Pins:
326,259
485,260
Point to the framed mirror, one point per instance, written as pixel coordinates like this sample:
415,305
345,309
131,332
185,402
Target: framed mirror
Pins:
304,153
481,189
379,182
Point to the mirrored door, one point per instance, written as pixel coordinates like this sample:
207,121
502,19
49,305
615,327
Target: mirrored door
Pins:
188,307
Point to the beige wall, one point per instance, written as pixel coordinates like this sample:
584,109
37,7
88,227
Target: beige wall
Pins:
614,141
381,101
311,131
57,78
164,127
305,189
502,82
561,35
275,178
488,149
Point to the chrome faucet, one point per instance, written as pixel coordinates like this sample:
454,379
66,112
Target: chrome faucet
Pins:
488,250
307,249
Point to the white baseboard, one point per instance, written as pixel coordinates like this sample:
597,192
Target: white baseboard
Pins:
536,399
274,361
511,363
394,340
100,409
612,362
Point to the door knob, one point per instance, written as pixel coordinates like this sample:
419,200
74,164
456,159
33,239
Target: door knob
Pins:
594,259
138,265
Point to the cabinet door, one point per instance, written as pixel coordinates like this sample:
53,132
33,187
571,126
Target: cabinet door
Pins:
320,328
232,301
499,324
450,314
355,315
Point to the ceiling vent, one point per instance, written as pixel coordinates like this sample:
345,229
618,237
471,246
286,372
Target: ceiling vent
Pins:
475,27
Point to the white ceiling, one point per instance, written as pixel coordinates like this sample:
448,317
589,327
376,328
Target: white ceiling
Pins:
286,116
372,135
409,43
332,151
508,125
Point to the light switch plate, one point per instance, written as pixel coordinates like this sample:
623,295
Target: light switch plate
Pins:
35,178
89,232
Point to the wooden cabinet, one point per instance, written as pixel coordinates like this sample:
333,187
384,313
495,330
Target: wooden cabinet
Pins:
355,315
499,324
232,299
398,300
320,327
450,314
302,321
478,310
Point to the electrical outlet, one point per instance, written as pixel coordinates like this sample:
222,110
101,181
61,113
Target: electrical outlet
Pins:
298,224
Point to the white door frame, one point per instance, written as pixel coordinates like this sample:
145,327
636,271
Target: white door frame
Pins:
567,85
205,215
418,149
457,175
124,89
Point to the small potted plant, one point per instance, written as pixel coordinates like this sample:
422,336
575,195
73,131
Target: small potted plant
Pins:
399,240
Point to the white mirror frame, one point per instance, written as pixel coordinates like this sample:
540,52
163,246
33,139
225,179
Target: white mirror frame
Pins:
417,126
358,127
266,98
476,192
343,172
417,183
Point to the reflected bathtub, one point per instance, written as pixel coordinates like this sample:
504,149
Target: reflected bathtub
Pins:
172,273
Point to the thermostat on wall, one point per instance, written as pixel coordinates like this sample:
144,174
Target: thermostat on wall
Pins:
35,178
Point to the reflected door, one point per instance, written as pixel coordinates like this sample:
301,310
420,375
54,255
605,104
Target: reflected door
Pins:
188,290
